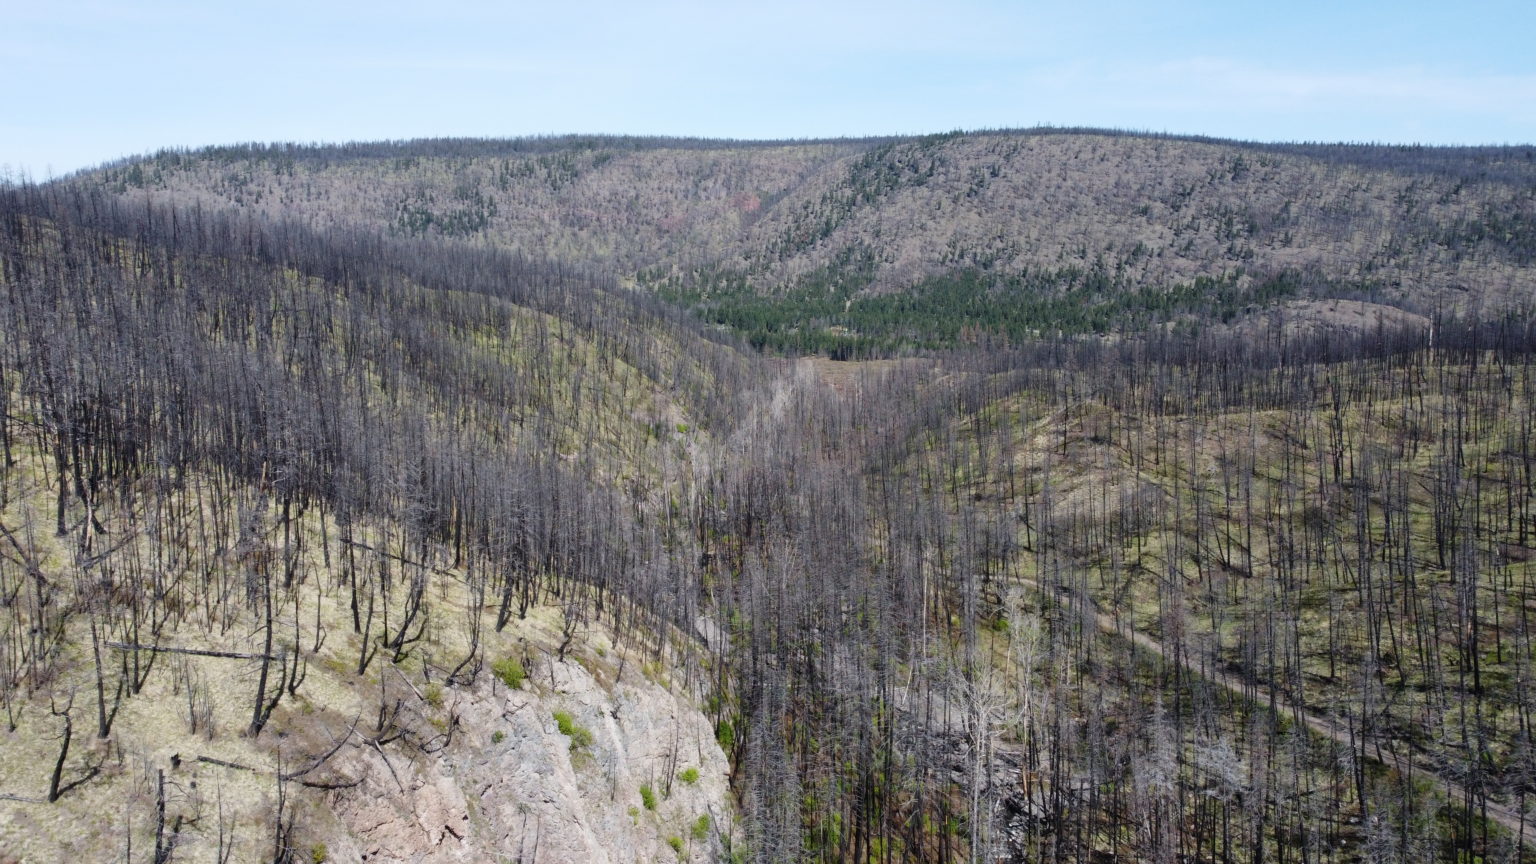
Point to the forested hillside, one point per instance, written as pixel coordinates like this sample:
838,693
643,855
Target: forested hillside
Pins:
873,246
318,488
381,500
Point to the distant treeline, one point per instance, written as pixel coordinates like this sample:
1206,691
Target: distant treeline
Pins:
1504,162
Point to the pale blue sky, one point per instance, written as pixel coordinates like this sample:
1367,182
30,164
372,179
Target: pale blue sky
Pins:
92,81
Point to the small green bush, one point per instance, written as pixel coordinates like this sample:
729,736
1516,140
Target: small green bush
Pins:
498,736
725,734
581,736
700,827
510,671
434,695
648,797
689,775
319,854
676,843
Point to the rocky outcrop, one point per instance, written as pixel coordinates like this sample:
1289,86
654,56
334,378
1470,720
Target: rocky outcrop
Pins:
513,787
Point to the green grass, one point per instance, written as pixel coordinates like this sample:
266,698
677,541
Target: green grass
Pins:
581,736
510,671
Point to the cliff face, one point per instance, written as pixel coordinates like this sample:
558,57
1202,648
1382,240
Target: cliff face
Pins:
513,787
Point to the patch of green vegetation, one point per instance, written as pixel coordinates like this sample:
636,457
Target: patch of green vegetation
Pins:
319,854
468,211
700,827
433,695
689,775
828,312
498,736
510,671
648,797
655,672
676,843
581,736
725,735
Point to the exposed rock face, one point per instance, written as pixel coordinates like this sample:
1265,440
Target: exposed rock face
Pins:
531,793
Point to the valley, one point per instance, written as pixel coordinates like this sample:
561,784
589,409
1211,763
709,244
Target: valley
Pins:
1038,495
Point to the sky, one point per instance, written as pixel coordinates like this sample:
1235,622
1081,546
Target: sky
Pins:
91,81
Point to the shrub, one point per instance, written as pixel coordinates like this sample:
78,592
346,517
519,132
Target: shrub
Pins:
433,695
580,735
319,854
676,843
498,736
510,671
648,797
700,827
689,775
654,672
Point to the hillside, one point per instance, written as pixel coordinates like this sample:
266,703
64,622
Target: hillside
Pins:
386,494
295,515
841,245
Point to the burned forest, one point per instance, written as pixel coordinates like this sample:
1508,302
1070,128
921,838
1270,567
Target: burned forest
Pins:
1037,495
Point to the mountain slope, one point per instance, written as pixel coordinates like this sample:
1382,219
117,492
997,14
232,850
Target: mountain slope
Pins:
1012,233
289,518
1188,592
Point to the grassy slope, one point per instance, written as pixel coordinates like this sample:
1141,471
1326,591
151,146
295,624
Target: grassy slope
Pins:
1147,514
